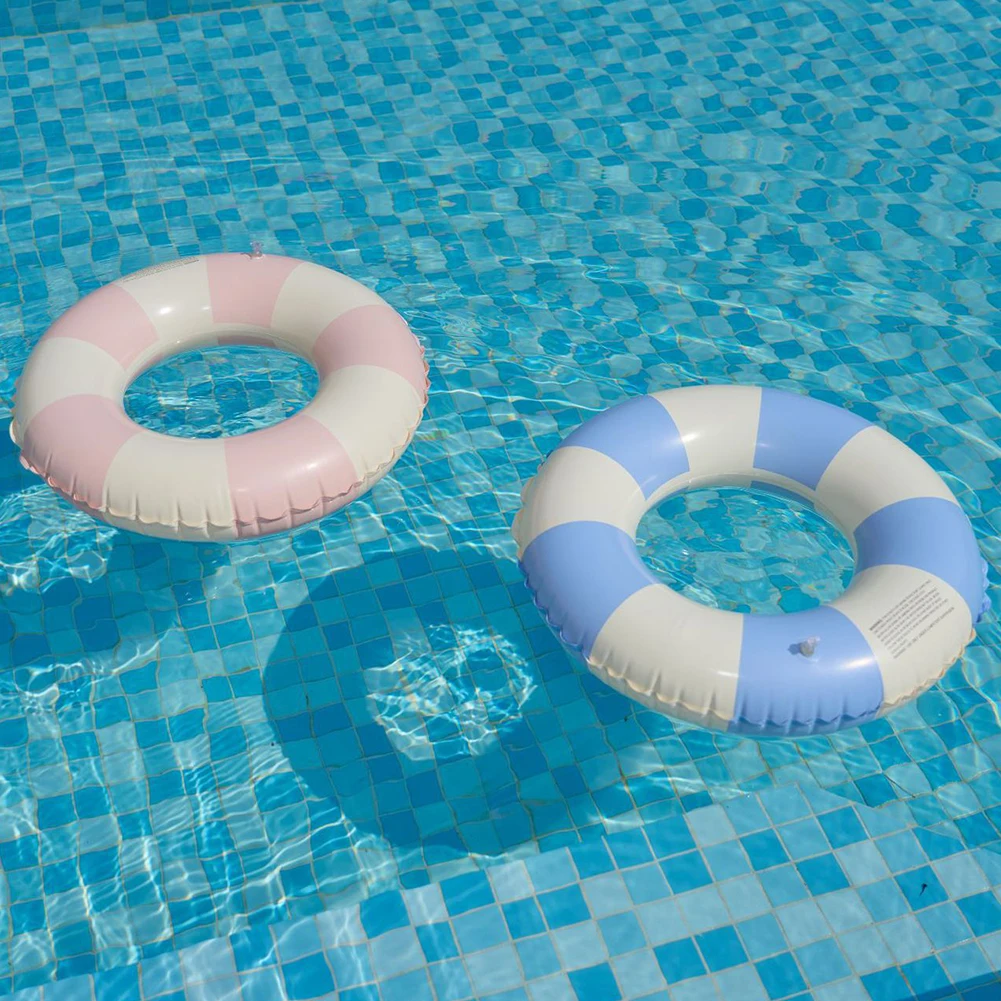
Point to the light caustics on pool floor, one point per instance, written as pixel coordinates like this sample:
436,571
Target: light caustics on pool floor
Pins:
571,205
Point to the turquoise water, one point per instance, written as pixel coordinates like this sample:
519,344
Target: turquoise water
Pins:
571,205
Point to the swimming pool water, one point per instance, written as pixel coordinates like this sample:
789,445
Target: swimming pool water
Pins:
571,204
36,17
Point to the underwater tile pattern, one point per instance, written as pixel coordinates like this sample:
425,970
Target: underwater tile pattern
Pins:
36,17
571,204
890,914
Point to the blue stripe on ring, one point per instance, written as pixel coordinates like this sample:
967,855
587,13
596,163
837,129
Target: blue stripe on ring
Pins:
799,436
781,691
928,533
641,436
580,573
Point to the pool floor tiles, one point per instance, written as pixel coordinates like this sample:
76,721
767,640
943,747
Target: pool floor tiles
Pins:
783,895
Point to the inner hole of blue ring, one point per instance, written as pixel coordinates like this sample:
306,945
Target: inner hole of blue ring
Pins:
745,550
221,391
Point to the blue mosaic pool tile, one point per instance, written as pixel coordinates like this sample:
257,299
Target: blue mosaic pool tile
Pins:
761,272
780,976
726,860
506,937
578,944
686,872
721,949
862,862
679,960
564,907
982,912
764,849
745,896
594,982
844,910
662,921
639,975
783,885
822,874
945,925
803,922
622,933
762,936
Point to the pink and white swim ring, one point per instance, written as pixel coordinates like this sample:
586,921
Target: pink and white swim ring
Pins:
71,425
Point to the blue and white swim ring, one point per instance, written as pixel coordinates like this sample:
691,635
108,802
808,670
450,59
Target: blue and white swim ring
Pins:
917,592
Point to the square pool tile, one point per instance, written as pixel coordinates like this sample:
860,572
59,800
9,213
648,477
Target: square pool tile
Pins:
563,907
803,922
579,945
884,900
745,896
606,894
437,941
921,887
449,980
886,985
679,960
646,883
538,956
762,936
822,962
711,826
906,938
865,950
721,949
662,921
780,975
480,929
783,885
383,912
466,892
622,933
740,982
843,827
822,874
982,911
966,964
726,860
307,978
764,849
412,986
960,875
703,909
844,910
523,917
638,974
595,982
686,872
494,970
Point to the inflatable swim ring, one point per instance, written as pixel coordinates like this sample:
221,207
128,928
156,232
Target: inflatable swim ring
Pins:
73,430
907,615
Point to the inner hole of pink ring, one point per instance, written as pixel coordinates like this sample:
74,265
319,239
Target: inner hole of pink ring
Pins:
216,392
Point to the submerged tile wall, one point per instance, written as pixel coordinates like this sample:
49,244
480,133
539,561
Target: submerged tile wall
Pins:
788,895
37,17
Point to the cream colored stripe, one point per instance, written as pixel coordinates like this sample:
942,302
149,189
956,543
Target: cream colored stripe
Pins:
312,298
60,367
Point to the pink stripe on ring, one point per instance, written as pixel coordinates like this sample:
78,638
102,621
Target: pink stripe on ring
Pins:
73,442
279,475
371,335
111,320
244,289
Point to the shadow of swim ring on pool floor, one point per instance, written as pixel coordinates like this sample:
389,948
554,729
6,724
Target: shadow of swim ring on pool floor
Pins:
441,737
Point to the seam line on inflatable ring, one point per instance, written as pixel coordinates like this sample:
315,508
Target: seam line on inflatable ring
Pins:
397,451
784,724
